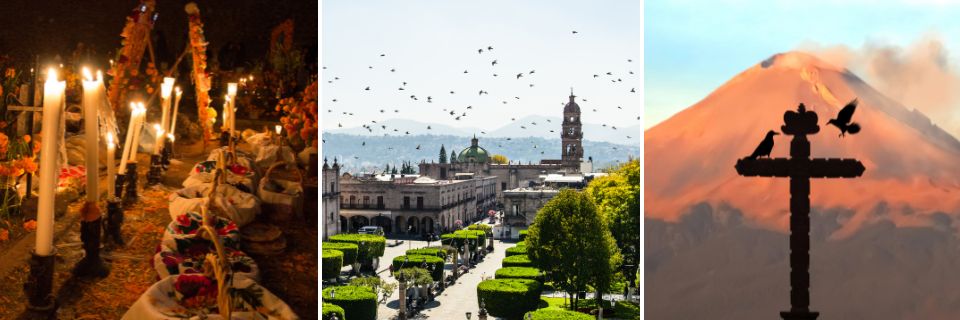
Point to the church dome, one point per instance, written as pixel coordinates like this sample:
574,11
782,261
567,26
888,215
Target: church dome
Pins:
474,153
571,106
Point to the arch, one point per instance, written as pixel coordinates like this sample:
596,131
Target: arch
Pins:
383,222
356,222
344,227
399,225
413,225
428,224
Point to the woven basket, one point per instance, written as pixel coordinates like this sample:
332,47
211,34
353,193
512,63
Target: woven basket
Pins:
281,200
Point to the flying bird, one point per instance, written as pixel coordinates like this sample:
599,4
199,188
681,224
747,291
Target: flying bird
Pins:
765,147
418,146
634,90
575,32
493,63
464,71
596,76
383,54
364,143
532,71
480,51
393,70
367,88
489,48
842,121
520,75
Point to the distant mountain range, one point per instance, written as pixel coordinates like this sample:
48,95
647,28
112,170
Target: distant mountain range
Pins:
358,153
523,127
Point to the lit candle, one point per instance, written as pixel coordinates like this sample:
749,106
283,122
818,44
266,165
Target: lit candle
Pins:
232,93
176,107
128,141
135,146
111,167
49,168
166,88
90,104
159,138
278,128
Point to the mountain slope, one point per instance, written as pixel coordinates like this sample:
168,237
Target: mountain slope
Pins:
911,164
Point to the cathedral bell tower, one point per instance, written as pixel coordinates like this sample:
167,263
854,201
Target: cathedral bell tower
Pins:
571,136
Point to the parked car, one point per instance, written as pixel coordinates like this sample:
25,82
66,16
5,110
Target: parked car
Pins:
371,230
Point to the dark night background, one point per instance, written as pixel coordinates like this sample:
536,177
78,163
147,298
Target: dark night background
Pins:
29,27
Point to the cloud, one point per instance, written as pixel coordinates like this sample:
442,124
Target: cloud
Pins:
919,76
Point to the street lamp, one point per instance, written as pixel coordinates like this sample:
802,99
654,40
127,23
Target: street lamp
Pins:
333,293
468,315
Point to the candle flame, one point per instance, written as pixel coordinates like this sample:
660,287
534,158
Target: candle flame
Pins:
232,89
109,139
51,75
87,76
170,136
99,75
156,126
278,128
178,91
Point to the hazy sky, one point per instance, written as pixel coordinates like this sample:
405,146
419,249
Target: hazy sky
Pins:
693,48
431,43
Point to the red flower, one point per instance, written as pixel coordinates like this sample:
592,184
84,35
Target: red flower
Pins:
184,220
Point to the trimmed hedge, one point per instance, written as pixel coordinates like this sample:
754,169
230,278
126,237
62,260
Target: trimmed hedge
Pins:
457,239
516,250
331,309
349,250
523,235
521,244
481,227
372,245
518,273
440,253
520,260
417,261
480,234
332,262
358,302
556,314
509,298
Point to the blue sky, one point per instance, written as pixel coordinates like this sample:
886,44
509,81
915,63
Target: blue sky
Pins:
694,47
431,43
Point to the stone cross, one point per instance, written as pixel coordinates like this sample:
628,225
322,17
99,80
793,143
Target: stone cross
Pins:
800,168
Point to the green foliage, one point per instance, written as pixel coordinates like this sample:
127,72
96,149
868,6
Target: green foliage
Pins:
523,234
329,310
416,276
368,246
509,298
499,159
380,287
618,201
623,309
332,261
458,238
516,250
519,273
520,260
486,228
358,302
421,261
570,241
440,253
349,250
556,314
443,155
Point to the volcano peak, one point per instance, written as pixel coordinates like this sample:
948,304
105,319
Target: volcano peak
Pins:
796,60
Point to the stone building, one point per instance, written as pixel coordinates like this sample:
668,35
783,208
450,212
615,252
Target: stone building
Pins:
330,204
413,204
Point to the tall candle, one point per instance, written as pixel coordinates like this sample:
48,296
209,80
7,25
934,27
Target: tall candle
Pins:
111,167
176,107
90,103
128,141
232,92
49,168
166,88
159,138
135,146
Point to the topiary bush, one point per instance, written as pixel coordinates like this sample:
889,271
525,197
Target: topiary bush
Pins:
480,234
369,246
457,239
556,314
519,273
332,262
486,228
329,310
523,235
520,260
349,250
418,261
440,253
509,298
516,250
358,302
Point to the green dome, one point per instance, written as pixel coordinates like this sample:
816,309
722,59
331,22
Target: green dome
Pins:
474,153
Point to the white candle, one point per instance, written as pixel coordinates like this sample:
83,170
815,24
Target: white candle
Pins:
90,104
176,107
49,168
166,88
135,146
111,167
159,138
232,93
128,141
226,113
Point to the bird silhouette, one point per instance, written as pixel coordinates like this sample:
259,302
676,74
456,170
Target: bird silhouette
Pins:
464,71
532,71
428,128
367,88
619,107
596,75
401,89
429,99
629,60
531,85
383,54
520,75
393,70
493,63
609,73
489,48
575,32
451,92
634,90
340,125
479,51
842,121
418,147
364,143
404,83
765,147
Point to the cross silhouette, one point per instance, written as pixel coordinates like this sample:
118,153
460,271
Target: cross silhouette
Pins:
800,168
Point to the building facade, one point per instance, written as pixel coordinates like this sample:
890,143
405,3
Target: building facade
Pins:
330,202
413,204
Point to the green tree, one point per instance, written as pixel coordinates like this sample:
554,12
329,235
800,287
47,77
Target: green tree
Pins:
394,171
453,156
570,241
443,154
499,159
381,287
617,197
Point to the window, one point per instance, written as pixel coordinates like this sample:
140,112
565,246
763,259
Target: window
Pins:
503,186
406,202
332,189
353,201
379,202
366,201
419,202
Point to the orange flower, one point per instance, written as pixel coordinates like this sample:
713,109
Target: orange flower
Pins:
26,164
26,138
4,235
30,225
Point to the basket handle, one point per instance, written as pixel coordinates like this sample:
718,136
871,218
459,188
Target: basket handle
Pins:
277,165
219,264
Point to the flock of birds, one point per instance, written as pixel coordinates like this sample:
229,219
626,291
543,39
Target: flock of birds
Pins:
843,122
459,114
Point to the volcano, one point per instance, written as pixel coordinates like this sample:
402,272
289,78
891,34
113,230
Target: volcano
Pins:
912,166
883,246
